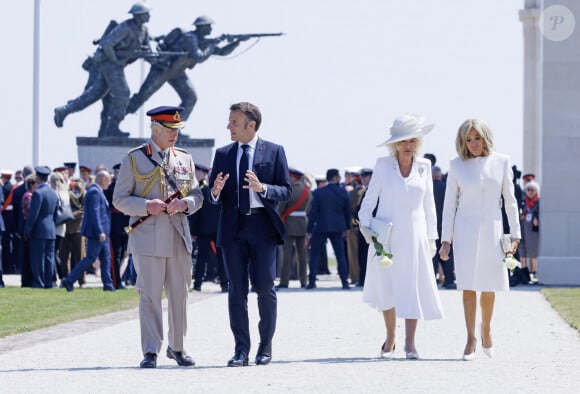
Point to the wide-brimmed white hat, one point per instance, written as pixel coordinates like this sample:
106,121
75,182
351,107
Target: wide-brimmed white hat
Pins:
408,126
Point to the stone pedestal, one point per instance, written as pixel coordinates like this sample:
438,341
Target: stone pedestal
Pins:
93,151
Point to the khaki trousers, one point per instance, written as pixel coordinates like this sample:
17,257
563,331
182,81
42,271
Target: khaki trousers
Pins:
352,253
154,274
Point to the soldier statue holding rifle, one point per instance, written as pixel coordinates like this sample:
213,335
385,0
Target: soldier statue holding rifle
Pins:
198,48
118,48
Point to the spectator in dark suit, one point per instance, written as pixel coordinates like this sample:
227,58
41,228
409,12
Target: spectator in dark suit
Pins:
95,228
119,237
203,226
447,266
40,229
250,228
329,218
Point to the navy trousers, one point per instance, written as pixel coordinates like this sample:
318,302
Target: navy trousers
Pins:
253,254
95,249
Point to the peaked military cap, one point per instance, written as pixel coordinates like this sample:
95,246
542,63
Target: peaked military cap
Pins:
297,173
168,116
201,167
42,170
366,172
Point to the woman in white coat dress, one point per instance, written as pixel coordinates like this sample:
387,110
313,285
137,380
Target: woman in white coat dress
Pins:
476,181
401,189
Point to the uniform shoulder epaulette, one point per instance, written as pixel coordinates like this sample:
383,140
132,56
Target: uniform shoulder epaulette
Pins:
136,149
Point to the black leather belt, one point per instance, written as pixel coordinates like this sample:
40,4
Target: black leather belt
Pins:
254,211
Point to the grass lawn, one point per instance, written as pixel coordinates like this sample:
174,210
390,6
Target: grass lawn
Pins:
24,309
566,301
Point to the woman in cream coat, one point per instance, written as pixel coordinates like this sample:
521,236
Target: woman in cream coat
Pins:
403,189
476,181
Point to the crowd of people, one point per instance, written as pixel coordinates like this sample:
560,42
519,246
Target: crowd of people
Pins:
397,230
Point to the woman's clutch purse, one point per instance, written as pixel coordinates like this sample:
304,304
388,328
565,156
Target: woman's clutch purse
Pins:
383,227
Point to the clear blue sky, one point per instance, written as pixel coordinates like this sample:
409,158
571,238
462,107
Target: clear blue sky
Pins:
328,89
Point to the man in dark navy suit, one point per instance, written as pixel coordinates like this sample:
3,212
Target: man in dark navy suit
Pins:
250,228
40,229
329,218
95,228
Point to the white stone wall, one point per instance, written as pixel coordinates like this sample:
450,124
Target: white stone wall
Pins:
559,260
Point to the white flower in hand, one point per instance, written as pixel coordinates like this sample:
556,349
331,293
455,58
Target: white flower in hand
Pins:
510,262
385,257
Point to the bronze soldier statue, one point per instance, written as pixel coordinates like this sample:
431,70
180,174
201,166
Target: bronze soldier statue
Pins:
172,69
118,48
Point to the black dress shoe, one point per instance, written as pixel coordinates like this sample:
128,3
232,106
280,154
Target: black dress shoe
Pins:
311,286
281,287
240,359
181,357
150,361
264,354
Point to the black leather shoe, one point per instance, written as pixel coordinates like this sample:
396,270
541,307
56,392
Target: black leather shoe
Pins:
66,285
181,357
150,361
240,359
311,286
264,354
345,286
280,287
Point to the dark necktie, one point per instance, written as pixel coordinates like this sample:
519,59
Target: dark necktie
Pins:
244,194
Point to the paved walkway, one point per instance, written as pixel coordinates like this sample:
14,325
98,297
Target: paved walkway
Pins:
327,341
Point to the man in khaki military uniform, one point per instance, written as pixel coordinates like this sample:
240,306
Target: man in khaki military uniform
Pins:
293,214
161,245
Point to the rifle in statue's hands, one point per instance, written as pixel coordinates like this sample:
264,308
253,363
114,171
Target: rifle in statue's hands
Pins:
172,197
244,37
158,54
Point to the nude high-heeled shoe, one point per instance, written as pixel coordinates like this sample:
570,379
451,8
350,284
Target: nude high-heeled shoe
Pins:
411,355
488,351
384,354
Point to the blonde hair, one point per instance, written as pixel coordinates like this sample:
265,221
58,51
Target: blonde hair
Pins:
482,129
392,147
58,183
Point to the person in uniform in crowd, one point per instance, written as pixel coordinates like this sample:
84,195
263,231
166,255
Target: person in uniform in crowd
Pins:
95,227
156,179
7,208
476,181
329,217
250,228
293,214
40,230
70,169
85,175
365,176
71,248
116,50
323,262
17,195
198,48
401,192
203,226
352,234
119,237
